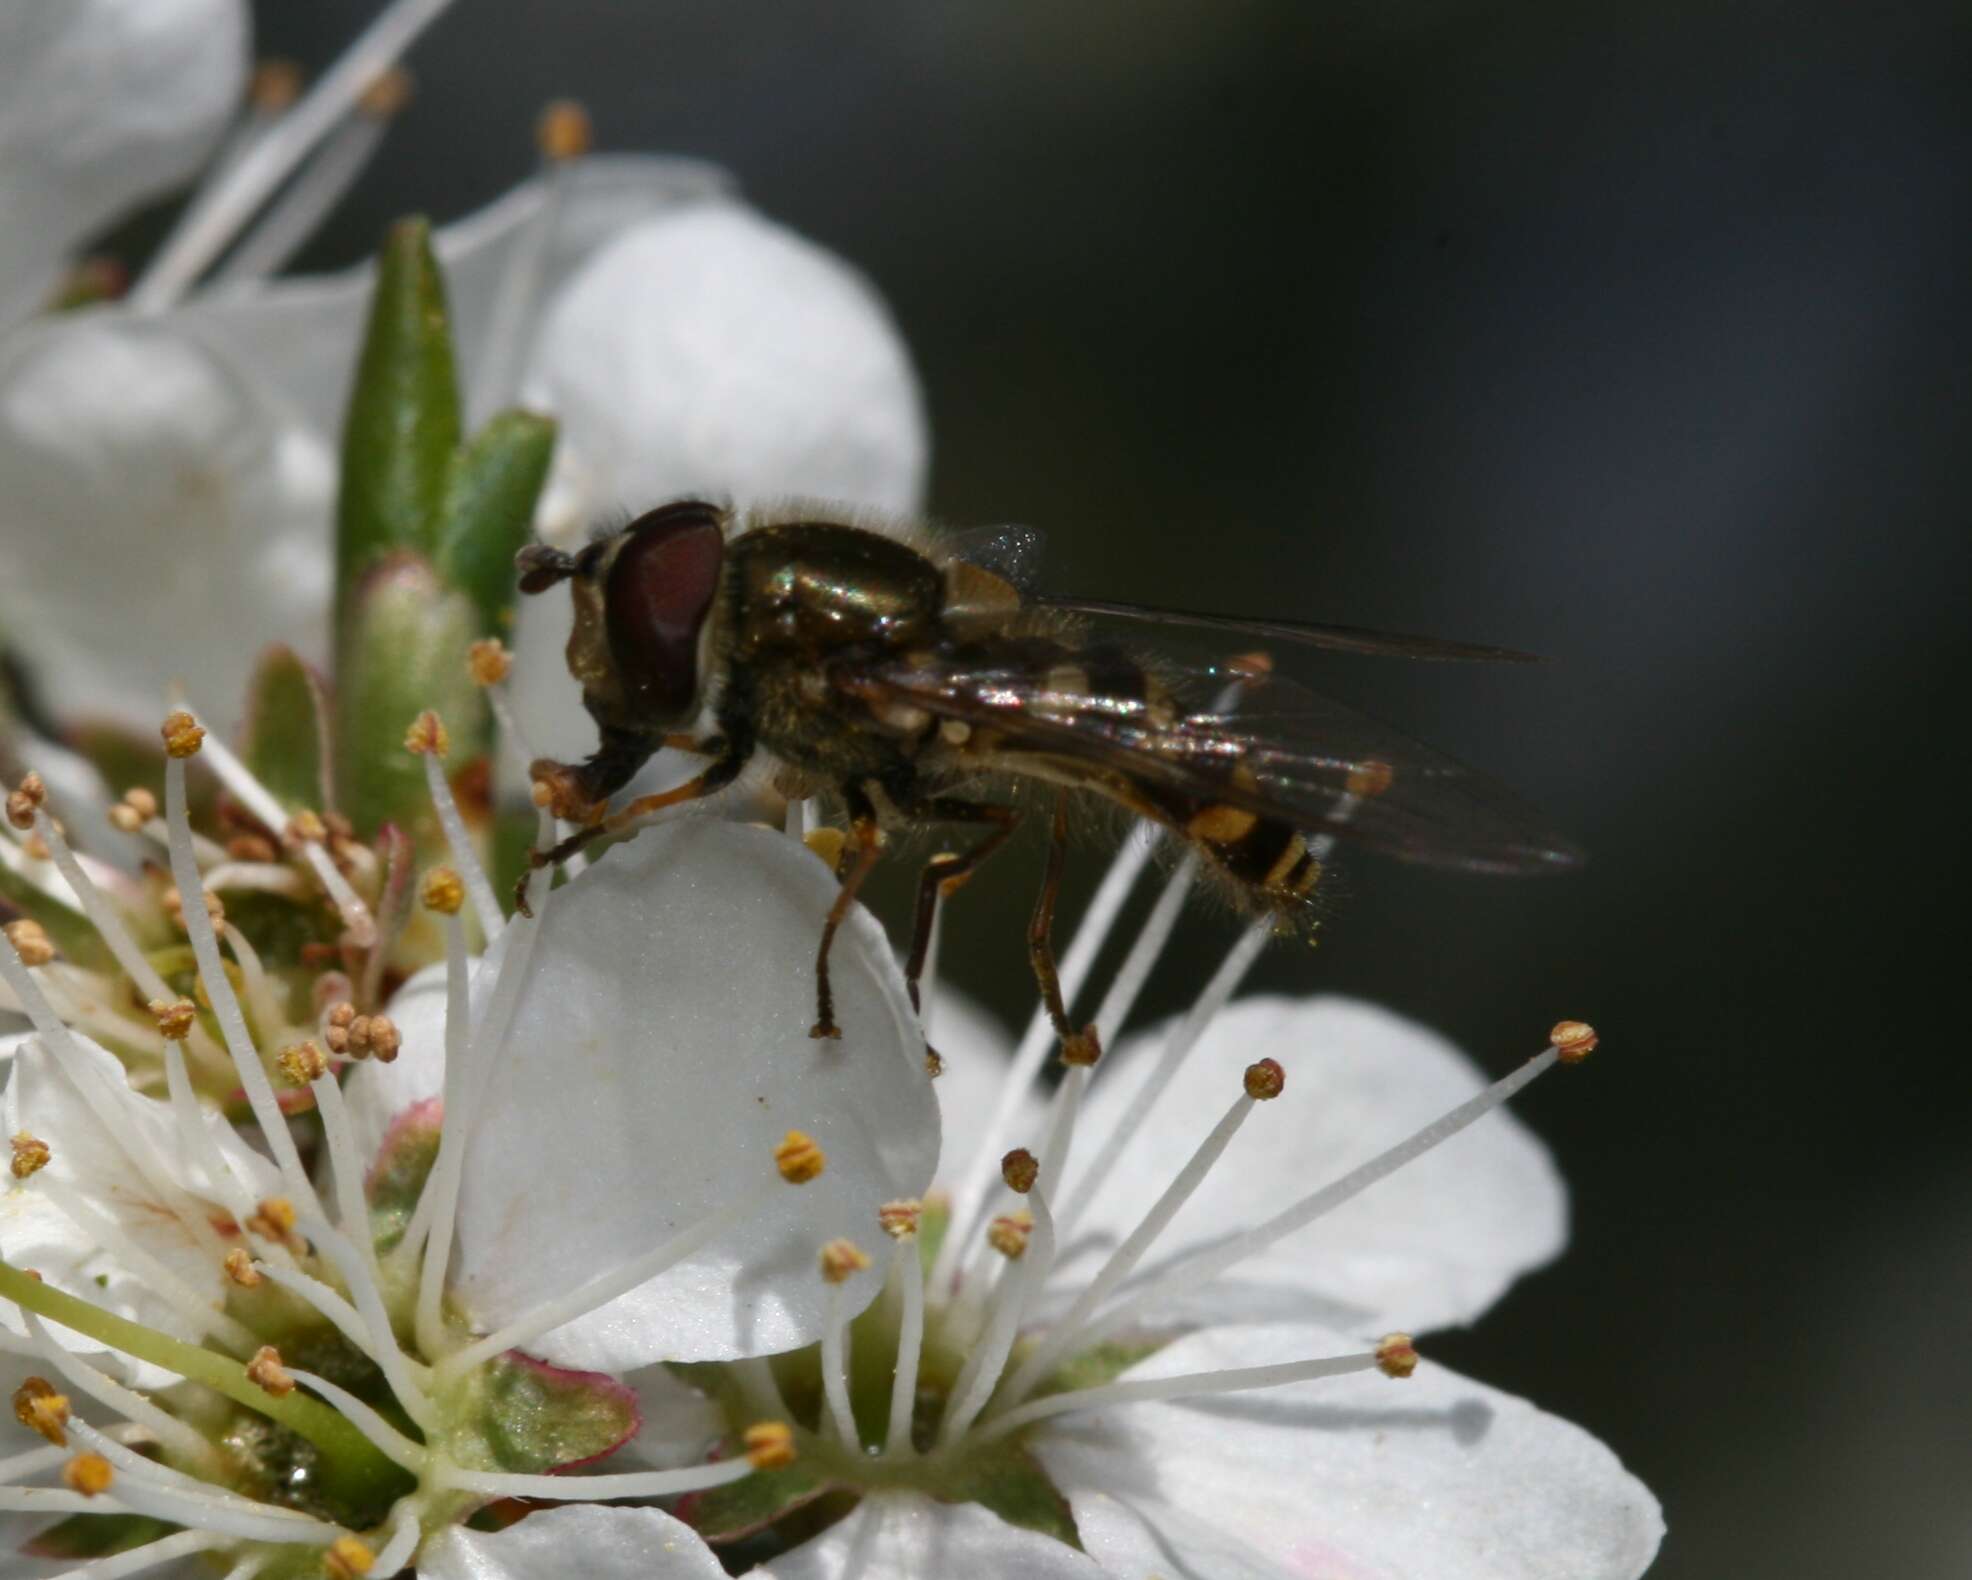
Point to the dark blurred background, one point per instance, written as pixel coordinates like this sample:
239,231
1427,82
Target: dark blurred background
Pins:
1633,334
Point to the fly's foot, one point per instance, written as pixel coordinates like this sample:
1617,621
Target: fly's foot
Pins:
826,1030
561,789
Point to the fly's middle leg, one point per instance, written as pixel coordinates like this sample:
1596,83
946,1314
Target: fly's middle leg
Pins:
1077,1047
864,845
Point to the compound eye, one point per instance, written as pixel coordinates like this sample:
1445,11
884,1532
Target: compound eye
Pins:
661,585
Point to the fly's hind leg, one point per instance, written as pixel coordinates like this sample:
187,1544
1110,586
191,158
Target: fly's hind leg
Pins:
864,845
1077,1047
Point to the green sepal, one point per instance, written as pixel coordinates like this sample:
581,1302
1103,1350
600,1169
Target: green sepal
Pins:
286,721
1100,1364
403,425
82,1537
489,511
405,651
741,1508
533,1417
1007,1479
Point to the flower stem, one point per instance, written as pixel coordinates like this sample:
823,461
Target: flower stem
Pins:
351,1465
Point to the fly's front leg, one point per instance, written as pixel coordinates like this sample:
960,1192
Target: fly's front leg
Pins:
864,846
567,791
945,875
1077,1047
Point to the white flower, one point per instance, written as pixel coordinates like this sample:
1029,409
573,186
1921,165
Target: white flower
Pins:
629,1152
1173,1351
683,343
102,103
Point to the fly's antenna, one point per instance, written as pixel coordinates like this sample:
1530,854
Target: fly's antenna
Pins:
542,567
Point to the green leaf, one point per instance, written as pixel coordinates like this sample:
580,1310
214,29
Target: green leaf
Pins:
405,651
403,425
287,716
489,511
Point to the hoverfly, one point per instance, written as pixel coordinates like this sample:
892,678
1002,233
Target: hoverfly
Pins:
904,674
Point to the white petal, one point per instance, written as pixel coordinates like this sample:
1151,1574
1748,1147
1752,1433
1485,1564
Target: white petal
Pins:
300,334
903,1536
106,102
165,517
660,1050
376,1094
1435,1478
677,1424
595,1543
712,351
95,1143
1435,1243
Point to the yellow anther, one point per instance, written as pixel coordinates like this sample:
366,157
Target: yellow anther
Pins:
266,1372
346,1558
1265,1080
88,1474
305,828
1396,1356
1008,1234
303,1062
1020,1168
442,890
276,84
899,1219
273,1219
842,1260
387,93
1573,1040
769,1445
427,736
183,735
378,1036
174,905
141,801
489,661
40,1409
30,941
254,847
934,1062
799,1159
564,130
23,803
125,819
174,1017
31,1155
240,1269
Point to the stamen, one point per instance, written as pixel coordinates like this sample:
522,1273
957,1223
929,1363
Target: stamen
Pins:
841,1260
150,1487
109,926
253,977
259,801
981,1373
969,1187
323,183
563,136
390,1442
1123,1261
135,1560
184,1441
396,1552
1199,1271
1237,1379
42,1410
448,1168
346,1162
219,988
900,1221
594,1489
266,1371
1185,1036
216,214
428,739
34,1462
196,1140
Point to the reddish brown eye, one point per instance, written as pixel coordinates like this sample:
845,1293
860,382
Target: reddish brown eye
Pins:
660,586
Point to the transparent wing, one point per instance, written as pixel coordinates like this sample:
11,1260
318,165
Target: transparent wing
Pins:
1307,633
1011,553
1220,734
